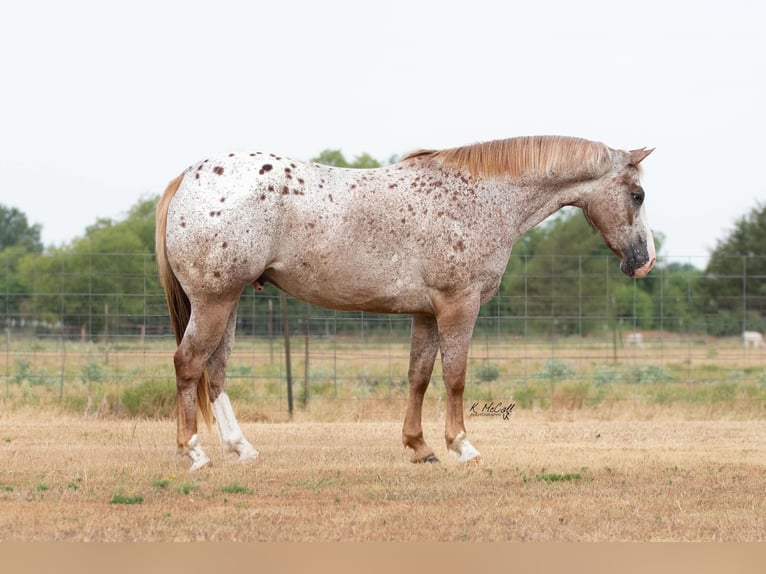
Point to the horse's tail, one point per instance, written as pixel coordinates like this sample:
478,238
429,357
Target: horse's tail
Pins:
178,302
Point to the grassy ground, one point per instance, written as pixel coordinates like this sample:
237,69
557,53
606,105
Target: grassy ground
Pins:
542,478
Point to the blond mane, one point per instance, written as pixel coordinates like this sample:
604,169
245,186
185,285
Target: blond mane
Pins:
538,156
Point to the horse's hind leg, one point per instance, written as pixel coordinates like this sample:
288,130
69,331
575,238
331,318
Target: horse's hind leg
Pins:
232,439
203,335
423,349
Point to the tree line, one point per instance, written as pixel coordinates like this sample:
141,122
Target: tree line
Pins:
561,280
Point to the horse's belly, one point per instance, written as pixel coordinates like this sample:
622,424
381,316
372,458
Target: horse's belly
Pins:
351,289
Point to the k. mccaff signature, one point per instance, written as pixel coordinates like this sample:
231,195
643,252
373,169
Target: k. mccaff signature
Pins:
492,409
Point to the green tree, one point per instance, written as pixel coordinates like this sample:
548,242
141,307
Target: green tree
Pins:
562,277
732,296
16,231
106,275
17,238
335,158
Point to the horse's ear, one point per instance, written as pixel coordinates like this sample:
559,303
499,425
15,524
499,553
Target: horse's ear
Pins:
636,156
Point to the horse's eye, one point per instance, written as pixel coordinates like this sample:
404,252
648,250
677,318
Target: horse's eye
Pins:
637,195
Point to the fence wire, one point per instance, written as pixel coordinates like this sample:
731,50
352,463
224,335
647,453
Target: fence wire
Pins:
564,332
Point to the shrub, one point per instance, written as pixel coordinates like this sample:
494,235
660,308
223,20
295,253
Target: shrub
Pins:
525,396
555,369
155,398
487,372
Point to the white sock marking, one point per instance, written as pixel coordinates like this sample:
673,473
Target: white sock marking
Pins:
232,439
195,452
462,449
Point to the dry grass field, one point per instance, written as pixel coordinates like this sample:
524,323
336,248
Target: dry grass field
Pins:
569,477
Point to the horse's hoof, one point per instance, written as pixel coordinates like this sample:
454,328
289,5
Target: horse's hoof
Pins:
200,464
429,458
248,453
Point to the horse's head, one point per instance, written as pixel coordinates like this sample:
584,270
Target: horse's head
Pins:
615,208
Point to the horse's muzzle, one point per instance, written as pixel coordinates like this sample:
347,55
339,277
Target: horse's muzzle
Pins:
638,260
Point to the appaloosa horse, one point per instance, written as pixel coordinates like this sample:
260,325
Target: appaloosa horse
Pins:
428,236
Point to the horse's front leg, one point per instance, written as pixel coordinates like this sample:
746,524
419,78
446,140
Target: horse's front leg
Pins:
423,348
456,318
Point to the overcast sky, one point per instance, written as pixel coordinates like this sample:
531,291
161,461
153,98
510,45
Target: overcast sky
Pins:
102,103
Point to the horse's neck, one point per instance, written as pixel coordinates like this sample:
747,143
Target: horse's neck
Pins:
533,202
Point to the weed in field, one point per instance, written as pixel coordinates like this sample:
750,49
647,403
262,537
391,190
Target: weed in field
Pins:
236,488
487,372
606,374
648,374
154,398
524,396
120,498
555,369
23,372
91,372
41,487
161,483
187,488
554,477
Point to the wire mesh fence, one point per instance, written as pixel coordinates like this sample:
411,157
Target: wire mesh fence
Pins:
563,333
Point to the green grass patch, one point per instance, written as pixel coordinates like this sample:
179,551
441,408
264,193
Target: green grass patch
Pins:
236,488
187,487
155,398
554,477
120,498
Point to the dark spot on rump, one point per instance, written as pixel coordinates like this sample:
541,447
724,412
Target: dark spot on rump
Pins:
212,214
196,176
224,245
391,186
200,167
271,188
300,180
218,170
183,224
330,197
287,170
293,165
223,199
216,273
310,225
285,191
266,167
263,196
460,245
231,155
